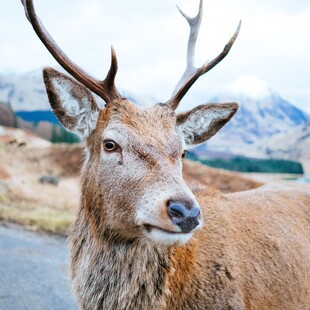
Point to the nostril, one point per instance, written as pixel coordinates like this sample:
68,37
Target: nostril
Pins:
176,210
186,216
195,212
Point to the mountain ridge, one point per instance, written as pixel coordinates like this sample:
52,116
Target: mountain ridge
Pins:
256,119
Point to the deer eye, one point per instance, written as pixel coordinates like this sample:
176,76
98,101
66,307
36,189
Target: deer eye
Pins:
110,145
184,154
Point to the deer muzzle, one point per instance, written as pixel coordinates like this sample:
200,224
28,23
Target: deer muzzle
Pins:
186,215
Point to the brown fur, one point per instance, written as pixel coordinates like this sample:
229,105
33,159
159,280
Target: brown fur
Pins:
253,252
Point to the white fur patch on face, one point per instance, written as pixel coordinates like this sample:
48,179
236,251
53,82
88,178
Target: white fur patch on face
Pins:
78,108
168,239
198,124
152,217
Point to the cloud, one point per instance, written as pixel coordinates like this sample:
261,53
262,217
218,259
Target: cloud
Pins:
250,86
150,38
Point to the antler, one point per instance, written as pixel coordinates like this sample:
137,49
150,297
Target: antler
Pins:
191,74
105,89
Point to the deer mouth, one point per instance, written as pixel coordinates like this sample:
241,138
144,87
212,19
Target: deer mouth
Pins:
149,228
166,237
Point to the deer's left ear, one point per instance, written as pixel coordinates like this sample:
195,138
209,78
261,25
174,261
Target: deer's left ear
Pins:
71,102
201,123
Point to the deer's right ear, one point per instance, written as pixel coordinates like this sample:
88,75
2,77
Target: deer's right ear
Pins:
71,102
201,123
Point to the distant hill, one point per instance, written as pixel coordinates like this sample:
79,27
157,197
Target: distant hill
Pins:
8,118
42,129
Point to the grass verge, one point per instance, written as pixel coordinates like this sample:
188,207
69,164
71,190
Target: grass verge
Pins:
36,217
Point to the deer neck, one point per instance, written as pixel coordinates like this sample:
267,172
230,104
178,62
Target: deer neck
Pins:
117,274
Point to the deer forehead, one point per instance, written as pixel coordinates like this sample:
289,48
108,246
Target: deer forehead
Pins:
153,126
140,117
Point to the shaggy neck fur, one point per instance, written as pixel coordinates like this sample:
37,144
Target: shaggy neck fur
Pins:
116,274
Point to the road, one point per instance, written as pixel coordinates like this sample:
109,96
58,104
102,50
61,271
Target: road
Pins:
33,271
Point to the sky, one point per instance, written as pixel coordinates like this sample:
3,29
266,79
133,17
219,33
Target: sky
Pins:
150,39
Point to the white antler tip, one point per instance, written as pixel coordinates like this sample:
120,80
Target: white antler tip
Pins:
183,14
239,25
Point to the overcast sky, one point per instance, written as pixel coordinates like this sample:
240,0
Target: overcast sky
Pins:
150,38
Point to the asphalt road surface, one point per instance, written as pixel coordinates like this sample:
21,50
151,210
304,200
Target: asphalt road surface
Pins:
33,271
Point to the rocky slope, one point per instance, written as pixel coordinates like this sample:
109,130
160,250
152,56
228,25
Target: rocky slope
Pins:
295,144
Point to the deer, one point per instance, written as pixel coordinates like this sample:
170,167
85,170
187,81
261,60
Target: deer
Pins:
143,238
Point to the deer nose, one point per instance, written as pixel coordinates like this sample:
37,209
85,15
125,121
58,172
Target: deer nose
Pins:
184,214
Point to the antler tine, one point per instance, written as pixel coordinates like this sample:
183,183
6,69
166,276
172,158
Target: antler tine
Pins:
105,89
191,74
108,82
194,24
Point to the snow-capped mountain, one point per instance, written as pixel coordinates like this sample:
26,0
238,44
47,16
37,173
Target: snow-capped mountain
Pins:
25,92
262,114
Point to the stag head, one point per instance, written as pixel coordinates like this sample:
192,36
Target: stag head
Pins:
132,184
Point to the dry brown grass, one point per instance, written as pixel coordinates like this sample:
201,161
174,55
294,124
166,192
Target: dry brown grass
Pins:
39,206
224,181
36,217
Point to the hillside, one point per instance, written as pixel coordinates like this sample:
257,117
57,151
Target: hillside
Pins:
8,118
295,144
292,145
51,131
21,138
